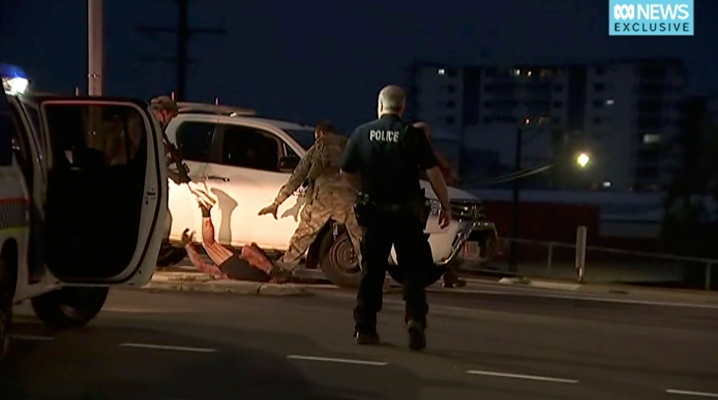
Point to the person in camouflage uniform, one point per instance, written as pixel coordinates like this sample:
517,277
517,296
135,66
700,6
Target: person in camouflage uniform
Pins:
329,196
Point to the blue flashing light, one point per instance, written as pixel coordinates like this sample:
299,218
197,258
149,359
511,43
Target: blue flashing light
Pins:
9,71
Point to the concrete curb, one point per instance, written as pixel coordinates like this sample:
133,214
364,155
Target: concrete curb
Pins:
197,282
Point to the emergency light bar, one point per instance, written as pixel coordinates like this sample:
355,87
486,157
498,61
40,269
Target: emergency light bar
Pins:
14,79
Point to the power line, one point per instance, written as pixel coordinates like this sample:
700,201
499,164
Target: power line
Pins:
183,33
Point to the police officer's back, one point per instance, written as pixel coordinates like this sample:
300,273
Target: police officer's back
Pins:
381,161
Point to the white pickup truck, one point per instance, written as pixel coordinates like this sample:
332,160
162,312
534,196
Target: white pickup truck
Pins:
244,160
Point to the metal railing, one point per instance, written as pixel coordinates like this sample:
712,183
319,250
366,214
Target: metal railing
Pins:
581,250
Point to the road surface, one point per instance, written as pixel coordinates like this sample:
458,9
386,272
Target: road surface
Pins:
490,345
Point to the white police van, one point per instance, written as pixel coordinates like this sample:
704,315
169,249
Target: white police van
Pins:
63,194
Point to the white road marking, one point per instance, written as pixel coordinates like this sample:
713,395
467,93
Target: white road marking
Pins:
519,376
31,337
163,347
338,360
691,393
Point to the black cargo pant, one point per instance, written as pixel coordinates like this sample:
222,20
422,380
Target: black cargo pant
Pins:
405,231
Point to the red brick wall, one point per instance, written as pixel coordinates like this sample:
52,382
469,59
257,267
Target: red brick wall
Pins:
553,222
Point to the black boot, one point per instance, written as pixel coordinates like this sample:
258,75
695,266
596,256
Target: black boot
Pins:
417,335
367,338
452,280
280,275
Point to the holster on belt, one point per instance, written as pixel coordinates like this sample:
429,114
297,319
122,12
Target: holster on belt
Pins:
366,209
363,209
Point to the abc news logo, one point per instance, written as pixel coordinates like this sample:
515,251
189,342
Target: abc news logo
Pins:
624,11
651,12
651,19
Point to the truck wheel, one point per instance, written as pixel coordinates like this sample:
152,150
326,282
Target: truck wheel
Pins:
70,306
170,255
339,264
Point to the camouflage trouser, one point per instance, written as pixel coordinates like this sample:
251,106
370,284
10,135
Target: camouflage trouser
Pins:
314,216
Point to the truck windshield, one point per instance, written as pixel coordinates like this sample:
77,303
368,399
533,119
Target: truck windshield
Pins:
305,137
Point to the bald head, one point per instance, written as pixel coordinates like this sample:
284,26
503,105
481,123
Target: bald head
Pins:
392,100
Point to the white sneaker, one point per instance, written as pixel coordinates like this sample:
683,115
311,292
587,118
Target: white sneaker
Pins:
202,196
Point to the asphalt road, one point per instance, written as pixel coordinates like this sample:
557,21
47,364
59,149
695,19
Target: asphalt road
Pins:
192,346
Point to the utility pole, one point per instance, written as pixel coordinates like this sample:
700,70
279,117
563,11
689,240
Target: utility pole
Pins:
95,47
183,33
515,203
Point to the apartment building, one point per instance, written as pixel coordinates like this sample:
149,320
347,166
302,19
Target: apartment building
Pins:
625,112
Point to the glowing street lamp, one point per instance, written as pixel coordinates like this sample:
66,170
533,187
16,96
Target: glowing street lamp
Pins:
583,159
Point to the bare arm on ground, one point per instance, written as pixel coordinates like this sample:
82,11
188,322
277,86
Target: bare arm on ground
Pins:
207,268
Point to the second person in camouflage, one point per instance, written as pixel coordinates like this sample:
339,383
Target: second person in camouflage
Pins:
329,196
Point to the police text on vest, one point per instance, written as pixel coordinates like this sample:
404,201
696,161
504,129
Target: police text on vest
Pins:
383,136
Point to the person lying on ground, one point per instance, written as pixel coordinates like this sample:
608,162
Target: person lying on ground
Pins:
251,264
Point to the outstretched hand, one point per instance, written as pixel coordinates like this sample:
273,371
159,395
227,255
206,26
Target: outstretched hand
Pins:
270,209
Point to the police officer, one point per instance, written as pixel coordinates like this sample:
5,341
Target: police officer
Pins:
380,161
330,197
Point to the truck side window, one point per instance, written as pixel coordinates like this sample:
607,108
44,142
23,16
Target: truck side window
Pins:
194,140
249,147
97,135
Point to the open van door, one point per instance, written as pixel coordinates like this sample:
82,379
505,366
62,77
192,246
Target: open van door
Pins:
106,194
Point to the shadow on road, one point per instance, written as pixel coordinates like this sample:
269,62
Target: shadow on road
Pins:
90,363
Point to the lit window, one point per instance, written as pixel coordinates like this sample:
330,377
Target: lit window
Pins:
442,71
543,120
651,138
527,121
528,73
609,102
517,72
606,184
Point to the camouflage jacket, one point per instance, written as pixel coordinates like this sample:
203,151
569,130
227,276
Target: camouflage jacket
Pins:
320,166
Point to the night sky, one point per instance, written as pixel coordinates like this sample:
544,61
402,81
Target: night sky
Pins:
309,60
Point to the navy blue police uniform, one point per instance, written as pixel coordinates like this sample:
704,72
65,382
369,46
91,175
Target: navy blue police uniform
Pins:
385,153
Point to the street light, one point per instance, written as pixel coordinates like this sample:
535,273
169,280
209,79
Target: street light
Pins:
583,159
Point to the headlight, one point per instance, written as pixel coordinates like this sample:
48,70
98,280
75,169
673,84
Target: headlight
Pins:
14,86
467,210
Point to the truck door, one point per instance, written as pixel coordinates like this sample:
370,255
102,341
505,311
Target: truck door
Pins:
106,197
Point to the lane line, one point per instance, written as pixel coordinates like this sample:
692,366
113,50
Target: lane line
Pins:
31,337
520,376
338,360
163,347
691,393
